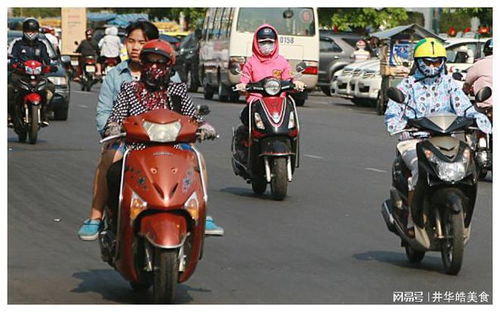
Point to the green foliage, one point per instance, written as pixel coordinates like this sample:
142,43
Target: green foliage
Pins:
36,12
359,19
485,15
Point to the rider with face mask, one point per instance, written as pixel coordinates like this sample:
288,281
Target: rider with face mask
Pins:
29,47
429,90
265,62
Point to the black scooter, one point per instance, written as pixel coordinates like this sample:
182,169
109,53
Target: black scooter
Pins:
446,189
272,147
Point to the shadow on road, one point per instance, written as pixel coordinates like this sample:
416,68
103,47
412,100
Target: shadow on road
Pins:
112,287
429,263
244,192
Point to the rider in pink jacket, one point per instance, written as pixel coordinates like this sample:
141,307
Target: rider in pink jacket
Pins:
265,61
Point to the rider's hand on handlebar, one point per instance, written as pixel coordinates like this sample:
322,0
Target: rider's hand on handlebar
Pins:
299,85
113,129
207,132
241,86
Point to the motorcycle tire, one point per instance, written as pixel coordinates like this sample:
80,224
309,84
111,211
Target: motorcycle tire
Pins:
139,287
279,181
452,248
259,185
166,272
380,106
191,82
414,256
483,172
34,125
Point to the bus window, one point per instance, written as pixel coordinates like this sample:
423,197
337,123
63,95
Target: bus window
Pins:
287,21
214,33
225,23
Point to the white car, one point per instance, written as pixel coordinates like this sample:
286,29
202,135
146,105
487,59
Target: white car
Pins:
368,86
343,86
461,53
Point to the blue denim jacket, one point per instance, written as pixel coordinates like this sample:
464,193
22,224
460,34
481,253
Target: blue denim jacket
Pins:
109,91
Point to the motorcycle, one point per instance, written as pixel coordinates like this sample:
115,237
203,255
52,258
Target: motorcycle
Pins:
273,137
108,64
88,72
30,99
154,221
445,193
481,143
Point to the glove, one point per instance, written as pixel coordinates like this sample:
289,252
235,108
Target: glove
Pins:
299,85
113,129
207,132
241,86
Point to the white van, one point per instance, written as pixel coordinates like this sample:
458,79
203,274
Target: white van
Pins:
227,38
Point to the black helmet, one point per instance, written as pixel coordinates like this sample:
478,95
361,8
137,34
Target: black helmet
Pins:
30,29
488,47
31,25
266,33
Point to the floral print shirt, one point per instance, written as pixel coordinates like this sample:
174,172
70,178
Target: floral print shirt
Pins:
428,96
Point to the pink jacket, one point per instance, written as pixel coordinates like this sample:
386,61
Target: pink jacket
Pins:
260,66
480,75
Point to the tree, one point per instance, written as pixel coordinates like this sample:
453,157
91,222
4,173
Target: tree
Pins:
361,19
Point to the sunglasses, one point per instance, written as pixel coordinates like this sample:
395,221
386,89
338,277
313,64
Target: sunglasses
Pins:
435,63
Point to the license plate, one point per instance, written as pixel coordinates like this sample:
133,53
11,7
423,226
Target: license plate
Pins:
74,63
90,69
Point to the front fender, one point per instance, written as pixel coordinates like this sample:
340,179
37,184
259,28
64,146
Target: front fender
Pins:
276,148
164,229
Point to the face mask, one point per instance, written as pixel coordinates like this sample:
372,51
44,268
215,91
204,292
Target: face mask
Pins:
429,71
30,36
155,75
266,48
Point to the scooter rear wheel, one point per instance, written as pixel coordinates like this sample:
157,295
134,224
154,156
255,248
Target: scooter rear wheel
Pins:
259,185
166,270
414,256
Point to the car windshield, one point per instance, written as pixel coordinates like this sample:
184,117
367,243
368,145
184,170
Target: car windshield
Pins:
298,21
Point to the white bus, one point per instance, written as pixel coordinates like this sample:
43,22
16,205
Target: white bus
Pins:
227,37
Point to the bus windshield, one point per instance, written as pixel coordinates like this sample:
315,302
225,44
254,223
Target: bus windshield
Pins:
287,21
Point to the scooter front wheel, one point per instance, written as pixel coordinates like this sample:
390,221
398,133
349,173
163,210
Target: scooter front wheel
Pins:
414,256
166,270
279,181
452,248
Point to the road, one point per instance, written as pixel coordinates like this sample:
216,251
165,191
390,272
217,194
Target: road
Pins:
325,243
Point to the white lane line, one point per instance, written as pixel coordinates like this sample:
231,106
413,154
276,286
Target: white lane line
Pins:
83,106
375,170
313,156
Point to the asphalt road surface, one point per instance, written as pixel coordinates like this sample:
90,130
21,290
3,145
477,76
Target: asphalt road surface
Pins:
325,243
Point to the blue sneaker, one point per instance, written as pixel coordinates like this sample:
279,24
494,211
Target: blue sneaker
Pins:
212,229
89,230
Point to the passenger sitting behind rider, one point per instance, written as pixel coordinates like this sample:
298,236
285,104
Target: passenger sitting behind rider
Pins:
429,90
265,62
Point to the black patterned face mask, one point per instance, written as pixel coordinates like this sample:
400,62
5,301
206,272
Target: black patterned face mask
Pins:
156,75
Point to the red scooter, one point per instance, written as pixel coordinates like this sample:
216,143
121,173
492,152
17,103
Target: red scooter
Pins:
88,68
29,99
154,225
108,64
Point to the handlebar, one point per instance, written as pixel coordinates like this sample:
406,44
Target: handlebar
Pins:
123,134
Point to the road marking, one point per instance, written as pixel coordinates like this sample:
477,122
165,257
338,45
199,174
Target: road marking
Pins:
313,156
82,92
375,170
83,106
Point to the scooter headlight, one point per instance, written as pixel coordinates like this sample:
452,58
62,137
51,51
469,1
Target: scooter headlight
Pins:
137,205
450,172
272,87
258,122
162,132
192,205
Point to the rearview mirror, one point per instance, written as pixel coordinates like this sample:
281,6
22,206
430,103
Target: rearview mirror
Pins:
483,94
203,110
396,95
457,76
235,69
301,67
